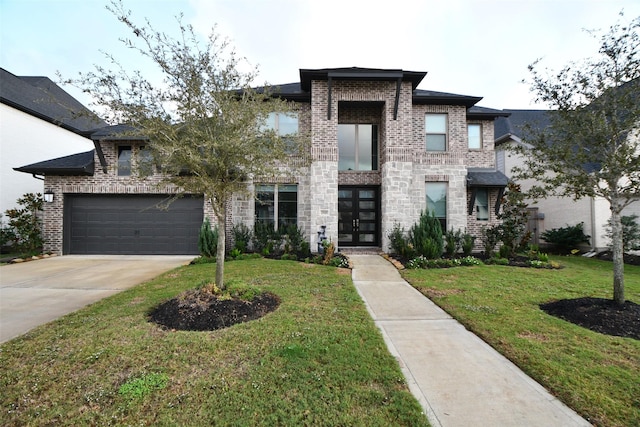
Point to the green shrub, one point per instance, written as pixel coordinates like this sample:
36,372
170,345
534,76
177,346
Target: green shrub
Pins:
400,246
490,237
505,251
453,242
24,225
514,215
630,232
497,261
566,238
470,261
266,240
294,242
241,237
426,236
468,242
208,239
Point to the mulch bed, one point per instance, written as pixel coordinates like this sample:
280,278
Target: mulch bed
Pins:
203,311
599,315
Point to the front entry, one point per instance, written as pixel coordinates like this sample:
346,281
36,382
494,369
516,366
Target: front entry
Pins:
358,216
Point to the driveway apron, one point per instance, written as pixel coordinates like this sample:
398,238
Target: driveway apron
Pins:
37,292
458,379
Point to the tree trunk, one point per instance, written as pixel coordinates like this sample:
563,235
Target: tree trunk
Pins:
221,214
618,254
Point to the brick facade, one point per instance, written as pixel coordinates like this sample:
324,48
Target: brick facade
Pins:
404,165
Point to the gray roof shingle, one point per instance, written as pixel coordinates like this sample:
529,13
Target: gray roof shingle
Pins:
75,164
42,98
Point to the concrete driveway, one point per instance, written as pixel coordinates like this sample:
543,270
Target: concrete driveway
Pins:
37,292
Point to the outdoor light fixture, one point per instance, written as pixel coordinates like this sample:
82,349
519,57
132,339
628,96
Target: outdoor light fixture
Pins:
48,196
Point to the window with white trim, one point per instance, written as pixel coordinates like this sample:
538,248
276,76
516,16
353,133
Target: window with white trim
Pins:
435,126
474,132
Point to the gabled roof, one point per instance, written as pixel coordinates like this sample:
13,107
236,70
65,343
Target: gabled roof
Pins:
75,164
42,98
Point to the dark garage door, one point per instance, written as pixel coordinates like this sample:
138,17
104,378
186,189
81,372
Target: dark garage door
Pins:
131,224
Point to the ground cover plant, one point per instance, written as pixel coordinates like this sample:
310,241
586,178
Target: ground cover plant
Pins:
318,359
594,373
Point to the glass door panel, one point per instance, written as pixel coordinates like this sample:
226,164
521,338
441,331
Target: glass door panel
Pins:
358,216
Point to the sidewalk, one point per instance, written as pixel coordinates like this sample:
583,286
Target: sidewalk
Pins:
458,379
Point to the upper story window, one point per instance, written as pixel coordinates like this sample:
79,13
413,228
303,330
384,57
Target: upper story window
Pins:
474,132
124,160
435,126
357,147
482,204
282,124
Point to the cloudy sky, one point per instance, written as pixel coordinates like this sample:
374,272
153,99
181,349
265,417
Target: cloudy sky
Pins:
470,47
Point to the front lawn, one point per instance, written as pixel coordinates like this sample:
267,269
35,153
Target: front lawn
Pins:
597,375
317,360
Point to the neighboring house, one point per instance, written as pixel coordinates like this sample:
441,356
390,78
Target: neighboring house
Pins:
382,151
552,212
38,121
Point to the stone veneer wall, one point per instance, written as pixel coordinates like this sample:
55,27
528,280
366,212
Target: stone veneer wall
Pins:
404,165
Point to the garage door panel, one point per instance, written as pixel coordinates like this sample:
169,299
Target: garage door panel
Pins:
131,224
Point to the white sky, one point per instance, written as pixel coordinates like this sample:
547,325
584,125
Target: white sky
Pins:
469,47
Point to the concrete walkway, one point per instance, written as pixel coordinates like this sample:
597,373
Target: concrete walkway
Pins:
458,379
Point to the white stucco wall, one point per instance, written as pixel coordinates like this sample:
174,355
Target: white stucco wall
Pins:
25,139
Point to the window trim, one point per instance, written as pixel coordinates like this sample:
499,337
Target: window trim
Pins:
445,134
274,124
484,190
443,220
480,144
375,166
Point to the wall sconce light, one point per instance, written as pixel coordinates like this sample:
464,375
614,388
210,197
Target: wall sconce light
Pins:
48,196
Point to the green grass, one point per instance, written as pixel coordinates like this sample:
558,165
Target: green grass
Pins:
317,360
595,374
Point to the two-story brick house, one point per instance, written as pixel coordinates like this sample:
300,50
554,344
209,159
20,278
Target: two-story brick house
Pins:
382,151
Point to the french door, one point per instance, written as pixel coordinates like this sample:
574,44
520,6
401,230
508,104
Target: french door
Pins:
358,216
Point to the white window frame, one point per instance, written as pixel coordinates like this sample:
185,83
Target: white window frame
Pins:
445,133
479,140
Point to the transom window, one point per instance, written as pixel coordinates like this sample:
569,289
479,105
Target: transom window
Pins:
435,126
474,132
437,201
482,204
277,205
357,147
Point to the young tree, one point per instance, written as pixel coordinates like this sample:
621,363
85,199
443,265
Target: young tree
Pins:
591,147
204,121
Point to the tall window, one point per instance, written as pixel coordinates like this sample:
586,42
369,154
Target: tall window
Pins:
482,204
357,147
277,205
437,201
124,160
435,126
474,132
